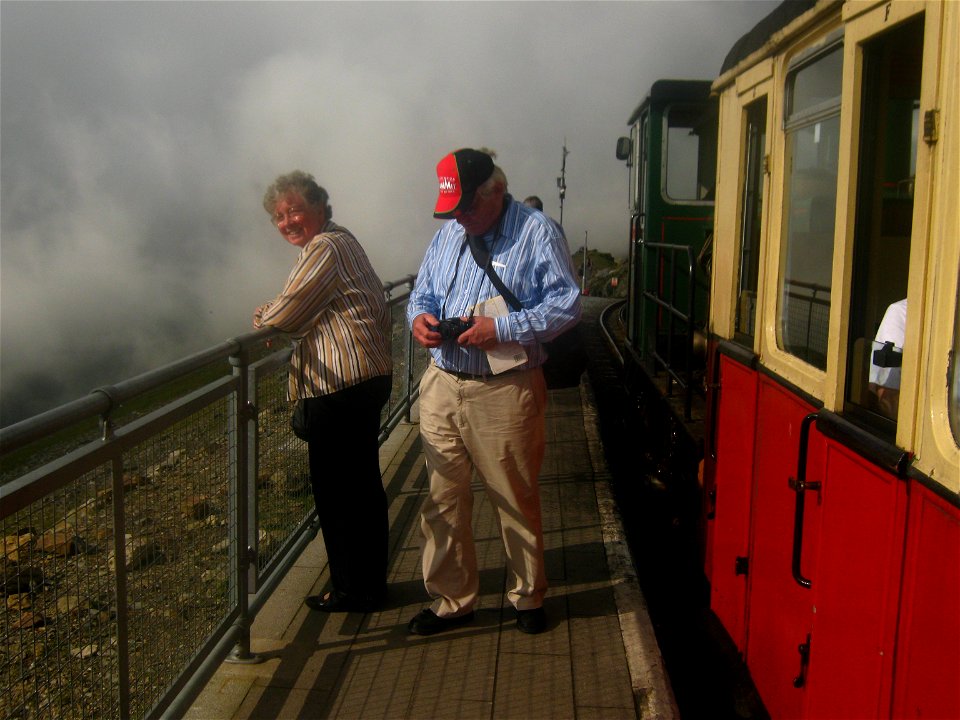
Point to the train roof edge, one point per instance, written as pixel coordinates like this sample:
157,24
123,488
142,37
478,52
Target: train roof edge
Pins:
750,42
758,36
675,90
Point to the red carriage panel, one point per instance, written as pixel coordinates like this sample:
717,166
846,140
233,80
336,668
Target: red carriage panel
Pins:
855,588
780,610
928,650
736,419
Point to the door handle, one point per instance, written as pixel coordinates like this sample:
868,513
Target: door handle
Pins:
800,486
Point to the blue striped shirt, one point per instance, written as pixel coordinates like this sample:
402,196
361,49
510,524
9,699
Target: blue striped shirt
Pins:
530,255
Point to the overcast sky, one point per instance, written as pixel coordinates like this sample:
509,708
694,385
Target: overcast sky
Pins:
137,139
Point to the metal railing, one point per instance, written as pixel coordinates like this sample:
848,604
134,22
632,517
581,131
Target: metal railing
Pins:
146,524
675,322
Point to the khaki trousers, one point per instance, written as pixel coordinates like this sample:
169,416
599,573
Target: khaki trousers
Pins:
494,426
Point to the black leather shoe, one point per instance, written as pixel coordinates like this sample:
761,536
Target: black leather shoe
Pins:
426,622
336,601
532,621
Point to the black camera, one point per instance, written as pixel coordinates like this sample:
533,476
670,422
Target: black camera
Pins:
888,356
452,328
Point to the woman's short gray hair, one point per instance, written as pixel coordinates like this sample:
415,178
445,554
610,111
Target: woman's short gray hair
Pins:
299,183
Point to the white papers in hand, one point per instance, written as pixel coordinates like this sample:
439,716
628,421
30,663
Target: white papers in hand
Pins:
503,356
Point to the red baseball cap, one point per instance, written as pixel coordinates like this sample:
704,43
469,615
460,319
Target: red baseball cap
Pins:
460,174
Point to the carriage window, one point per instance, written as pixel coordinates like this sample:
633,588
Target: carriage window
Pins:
689,171
889,130
812,133
750,214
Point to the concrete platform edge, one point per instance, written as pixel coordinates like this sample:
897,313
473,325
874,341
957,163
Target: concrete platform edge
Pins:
652,692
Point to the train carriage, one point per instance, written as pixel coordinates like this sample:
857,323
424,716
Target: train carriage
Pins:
831,431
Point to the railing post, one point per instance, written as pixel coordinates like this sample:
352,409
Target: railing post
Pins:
409,379
123,607
243,539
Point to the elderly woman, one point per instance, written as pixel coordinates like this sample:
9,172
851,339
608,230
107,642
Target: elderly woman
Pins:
333,303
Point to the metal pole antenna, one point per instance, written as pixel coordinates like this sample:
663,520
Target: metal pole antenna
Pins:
562,180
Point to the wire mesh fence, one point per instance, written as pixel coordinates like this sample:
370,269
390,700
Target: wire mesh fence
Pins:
141,528
59,617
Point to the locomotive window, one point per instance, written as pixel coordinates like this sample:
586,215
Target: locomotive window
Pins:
689,166
812,145
886,167
750,215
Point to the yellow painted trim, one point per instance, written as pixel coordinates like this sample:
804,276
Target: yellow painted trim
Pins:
937,281
807,377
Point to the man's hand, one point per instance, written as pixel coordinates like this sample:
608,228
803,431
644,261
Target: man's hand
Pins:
482,335
423,334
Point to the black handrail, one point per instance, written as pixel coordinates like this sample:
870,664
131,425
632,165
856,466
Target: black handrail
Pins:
674,311
800,486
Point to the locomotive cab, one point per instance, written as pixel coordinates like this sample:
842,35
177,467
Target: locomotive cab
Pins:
671,160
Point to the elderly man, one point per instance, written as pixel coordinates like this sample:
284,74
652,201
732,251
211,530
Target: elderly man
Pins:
482,399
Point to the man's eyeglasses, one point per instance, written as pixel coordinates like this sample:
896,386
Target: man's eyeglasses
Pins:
295,215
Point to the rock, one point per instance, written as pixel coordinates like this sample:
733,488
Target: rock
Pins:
13,543
85,652
289,483
266,544
22,580
62,540
70,605
101,533
198,507
221,546
141,553
131,481
22,601
144,555
154,471
29,619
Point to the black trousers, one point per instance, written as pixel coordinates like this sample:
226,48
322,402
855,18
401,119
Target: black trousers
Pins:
347,487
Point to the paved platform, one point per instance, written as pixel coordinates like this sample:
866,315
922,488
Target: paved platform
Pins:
598,659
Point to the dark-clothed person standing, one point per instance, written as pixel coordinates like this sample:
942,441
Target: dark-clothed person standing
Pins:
475,419
333,303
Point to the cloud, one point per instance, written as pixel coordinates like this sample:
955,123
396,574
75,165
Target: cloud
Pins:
138,139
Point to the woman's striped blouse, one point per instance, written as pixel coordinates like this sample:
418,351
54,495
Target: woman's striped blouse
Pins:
333,302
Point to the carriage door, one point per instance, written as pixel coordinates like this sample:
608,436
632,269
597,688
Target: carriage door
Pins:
863,515
737,405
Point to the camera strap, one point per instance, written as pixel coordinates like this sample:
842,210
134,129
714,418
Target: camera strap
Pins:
484,258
